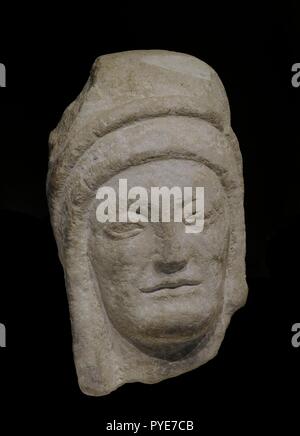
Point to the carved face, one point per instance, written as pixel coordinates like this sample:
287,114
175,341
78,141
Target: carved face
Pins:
162,287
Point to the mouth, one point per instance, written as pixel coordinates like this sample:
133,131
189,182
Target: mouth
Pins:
179,285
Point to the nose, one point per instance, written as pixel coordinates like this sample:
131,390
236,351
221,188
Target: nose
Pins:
169,267
172,256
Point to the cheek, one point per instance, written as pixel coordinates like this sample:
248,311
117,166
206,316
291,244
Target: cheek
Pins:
210,251
121,260
216,234
212,243
119,266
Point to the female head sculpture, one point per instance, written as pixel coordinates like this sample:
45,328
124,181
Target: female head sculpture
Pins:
148,301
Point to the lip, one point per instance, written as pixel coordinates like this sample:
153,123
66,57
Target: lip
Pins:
178,285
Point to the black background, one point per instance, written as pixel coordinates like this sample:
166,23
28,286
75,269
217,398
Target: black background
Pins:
253,383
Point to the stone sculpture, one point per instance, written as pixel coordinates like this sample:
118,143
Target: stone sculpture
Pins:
147,301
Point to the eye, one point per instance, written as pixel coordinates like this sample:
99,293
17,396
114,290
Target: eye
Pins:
123,230
191,218
210,215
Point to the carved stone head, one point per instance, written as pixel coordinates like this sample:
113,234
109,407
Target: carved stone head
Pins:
148,300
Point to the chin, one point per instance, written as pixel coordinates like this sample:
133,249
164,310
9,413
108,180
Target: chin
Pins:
175,339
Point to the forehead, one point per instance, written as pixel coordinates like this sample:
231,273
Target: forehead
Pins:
169,172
